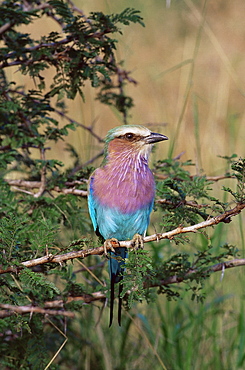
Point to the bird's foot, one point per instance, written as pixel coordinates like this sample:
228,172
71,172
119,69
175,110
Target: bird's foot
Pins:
137,242
108,245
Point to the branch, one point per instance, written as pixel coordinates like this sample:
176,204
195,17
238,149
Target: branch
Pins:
83,253
208,178
64,41
188,203
215,268
63,115
88,298
224,217
89,129
27,7
37,185
5,27
81,166
43,177
9,310
99,296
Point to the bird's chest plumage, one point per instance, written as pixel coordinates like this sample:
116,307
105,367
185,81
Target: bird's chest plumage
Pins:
121,196
127,190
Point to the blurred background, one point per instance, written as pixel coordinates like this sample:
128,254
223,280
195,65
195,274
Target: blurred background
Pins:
189,62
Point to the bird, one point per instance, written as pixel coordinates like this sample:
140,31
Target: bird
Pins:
121,194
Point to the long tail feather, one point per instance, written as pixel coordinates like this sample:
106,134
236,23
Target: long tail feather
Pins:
112,297
120,304
116,270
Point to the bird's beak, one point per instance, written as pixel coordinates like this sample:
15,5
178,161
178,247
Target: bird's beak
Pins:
154,138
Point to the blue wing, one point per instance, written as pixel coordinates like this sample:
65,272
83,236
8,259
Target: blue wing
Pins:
91,204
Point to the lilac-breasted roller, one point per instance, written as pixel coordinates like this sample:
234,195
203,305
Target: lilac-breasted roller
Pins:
121,194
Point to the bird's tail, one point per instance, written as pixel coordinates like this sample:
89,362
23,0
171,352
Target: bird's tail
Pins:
116,265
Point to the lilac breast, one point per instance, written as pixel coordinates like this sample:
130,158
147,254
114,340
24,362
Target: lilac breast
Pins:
127,190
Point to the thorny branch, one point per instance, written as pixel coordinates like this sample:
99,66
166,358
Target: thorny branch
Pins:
43,176
208,178
9,310
50,307
37,185
83,253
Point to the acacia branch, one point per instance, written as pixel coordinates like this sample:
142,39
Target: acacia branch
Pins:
37,185
48,309
222,266
5,27
208,178
83,253
88,298
43,176
224,217
9,310
87,128
49,306
189,203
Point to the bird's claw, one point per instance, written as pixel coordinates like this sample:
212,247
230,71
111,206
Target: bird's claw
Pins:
137,242
108,244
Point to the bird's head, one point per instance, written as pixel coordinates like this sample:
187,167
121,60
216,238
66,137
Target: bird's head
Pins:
131,138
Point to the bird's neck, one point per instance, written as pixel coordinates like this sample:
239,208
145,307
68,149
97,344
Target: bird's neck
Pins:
127,160
127,155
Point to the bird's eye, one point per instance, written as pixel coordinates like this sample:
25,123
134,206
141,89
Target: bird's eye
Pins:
129,136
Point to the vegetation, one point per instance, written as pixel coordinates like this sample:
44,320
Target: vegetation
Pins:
54,283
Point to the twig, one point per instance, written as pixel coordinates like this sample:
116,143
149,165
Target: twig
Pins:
87,298
9,310
208,178
89,129
30,49
184,202
224,217
5,27
171,280
43,176
38,184
62,114
99,296
79,192
80,166
75,8
215,268
27,7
